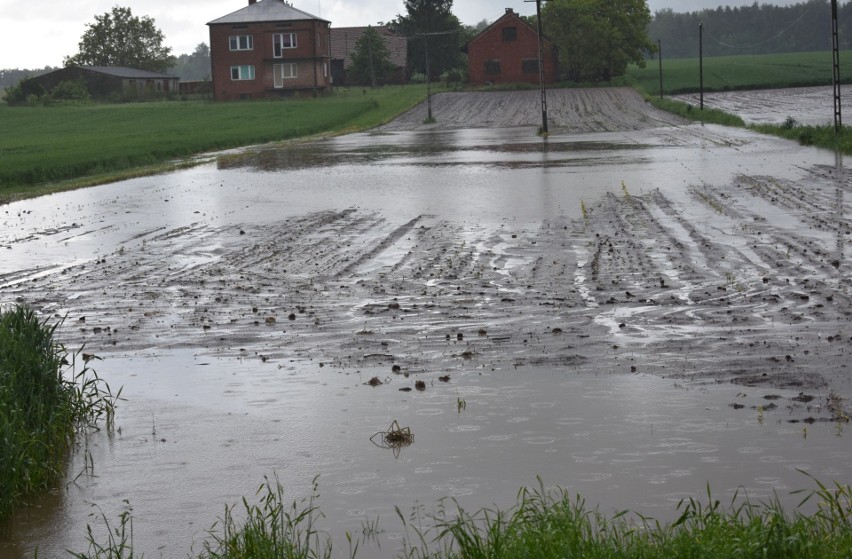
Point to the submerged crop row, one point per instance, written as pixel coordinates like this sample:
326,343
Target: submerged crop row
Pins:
543,524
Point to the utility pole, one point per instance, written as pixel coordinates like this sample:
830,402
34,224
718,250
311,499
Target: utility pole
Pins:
660,55
541,86
428,75
835,48
428,80
701,62
372,67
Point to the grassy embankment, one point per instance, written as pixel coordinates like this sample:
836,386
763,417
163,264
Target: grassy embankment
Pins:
543,524
43,406
46,149
748,72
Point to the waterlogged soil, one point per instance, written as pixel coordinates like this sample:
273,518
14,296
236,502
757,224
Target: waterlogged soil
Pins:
630,314
568,110
804,105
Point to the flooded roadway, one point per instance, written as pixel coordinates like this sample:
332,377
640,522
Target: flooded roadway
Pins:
613,308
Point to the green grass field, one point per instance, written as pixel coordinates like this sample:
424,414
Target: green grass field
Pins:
722,73
42,145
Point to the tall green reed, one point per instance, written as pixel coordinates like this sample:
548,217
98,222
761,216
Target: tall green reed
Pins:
44,403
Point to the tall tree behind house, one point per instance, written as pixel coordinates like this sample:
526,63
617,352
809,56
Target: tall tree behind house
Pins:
432,21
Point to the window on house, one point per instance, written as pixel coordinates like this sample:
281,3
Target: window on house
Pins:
510,34
244,72
241,42
283,72
281,41
325,69
529,66
492,67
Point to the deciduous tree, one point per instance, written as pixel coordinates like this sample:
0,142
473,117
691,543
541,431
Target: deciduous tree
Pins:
370,60
195,66
118,38
432,21
598,38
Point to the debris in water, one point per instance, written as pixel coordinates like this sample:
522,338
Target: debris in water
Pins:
420,385
395,437
445,378
374,382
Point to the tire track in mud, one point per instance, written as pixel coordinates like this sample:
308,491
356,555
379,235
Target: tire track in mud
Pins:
718,284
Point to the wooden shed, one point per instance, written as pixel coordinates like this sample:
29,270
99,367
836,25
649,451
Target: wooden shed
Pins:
104,81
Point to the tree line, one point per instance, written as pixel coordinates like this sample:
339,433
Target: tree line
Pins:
597,38
755,29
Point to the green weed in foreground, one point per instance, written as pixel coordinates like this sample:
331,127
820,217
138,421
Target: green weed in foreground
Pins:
548,524
269,530
44,403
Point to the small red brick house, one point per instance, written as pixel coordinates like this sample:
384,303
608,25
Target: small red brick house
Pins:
269,49
507,52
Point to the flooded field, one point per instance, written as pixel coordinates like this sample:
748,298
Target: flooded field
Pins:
629,314
805,105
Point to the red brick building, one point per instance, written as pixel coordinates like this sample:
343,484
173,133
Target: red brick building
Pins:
269,49
507,52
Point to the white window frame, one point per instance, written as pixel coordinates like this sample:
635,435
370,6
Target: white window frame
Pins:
281,72
242,72
278,44
241,42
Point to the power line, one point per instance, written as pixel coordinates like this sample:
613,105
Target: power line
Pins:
769,40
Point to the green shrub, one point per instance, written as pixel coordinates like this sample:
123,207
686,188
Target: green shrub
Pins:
15,94
68,90
44,403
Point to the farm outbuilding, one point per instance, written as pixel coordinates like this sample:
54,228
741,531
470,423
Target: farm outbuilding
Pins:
343,40
507,52
104,81
269,49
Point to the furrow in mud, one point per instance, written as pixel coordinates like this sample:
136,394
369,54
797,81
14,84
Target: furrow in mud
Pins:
715,283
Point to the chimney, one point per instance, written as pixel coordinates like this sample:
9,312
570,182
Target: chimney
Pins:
252,2
510,11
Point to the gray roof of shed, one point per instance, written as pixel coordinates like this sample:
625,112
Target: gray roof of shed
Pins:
266,11
343,41
128,73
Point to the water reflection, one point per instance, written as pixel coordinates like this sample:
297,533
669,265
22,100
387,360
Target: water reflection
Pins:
432,148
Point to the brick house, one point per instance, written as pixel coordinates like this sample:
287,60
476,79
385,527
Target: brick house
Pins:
507,52
343,40
269,49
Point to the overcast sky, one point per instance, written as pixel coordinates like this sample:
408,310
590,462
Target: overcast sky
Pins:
37,33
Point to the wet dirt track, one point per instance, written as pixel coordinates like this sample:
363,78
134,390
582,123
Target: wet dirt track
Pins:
713,259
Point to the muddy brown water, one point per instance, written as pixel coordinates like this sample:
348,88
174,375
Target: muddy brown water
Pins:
613,308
